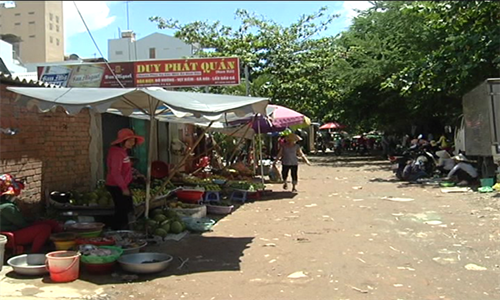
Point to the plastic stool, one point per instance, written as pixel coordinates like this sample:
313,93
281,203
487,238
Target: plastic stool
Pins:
212,196
254,195
239,195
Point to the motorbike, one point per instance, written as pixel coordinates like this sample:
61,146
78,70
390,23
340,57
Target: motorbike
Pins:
337,147
320,144
11,186
414,155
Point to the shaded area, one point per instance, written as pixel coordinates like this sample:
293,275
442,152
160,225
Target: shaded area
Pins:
352,161
206,254
281,195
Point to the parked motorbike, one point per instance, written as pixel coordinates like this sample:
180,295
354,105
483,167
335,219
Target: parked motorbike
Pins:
414,156
337,147
320,144
398,163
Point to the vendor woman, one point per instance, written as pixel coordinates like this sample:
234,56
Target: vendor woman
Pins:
119,176
26,233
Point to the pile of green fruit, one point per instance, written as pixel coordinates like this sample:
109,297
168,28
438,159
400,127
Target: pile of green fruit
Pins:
162,222
138,196
100,197
156,187
179,204
247,186
212,187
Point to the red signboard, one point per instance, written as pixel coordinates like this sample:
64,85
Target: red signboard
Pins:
188,72
161,73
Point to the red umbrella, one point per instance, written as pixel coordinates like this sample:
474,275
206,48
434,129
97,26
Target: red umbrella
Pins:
332,125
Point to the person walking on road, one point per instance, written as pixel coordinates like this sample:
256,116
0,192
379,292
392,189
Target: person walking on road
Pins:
289,154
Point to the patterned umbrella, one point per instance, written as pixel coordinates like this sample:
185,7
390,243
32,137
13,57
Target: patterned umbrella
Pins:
332,125
278,119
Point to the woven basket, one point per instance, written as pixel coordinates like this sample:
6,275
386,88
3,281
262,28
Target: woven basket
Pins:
219,209
89,259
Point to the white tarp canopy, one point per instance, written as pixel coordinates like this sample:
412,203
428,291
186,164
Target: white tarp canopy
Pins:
217,126
182,104
222,125
151,101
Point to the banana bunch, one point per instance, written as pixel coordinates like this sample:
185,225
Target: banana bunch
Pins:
212,187
138,196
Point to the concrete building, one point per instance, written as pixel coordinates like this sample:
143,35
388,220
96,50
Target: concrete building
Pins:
39,25
153,46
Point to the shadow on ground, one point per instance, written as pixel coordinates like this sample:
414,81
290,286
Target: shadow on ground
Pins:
374,163
205,254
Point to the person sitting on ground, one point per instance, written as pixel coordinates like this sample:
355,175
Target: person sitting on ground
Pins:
463,172
445,162
413,171
443,142
35,233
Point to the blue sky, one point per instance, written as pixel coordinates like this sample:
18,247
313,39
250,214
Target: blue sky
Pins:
105,18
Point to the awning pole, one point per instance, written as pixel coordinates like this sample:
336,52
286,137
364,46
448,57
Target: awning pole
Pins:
237,145
152,123
181,163
254,150
260,153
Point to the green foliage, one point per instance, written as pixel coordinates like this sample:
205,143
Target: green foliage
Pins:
400,63
286,64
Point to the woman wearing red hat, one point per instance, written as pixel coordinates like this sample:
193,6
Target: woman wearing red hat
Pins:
119,176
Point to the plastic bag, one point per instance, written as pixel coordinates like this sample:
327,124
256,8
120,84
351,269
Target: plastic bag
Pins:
275,175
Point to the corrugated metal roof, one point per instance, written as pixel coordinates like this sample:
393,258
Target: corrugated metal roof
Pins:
16,81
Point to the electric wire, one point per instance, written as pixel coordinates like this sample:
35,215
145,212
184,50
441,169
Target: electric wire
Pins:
95,43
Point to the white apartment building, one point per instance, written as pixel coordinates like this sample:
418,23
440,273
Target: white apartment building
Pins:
153,46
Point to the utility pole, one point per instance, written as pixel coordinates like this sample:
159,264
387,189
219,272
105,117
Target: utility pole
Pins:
128,21
247,82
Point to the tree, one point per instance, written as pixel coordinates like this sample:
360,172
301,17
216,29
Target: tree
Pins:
417,58
285,63
400,63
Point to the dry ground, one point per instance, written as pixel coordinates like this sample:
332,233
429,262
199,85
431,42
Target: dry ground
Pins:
343,236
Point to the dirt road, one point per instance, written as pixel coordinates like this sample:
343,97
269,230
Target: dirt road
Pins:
350,233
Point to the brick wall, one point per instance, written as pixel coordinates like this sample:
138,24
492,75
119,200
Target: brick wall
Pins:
51,149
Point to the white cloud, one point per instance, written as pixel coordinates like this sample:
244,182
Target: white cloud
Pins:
349,8
95,13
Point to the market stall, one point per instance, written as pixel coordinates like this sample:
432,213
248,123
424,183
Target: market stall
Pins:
276,119
152,102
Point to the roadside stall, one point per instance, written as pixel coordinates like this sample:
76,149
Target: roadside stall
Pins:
151,102
100,250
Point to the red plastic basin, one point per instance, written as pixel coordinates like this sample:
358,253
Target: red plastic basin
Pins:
190,196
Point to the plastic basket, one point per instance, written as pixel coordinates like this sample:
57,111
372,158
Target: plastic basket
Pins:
90,259
487,182
89,234
219,209
198,225
97,241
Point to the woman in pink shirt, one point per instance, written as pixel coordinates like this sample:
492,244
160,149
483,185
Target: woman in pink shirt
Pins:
120,176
